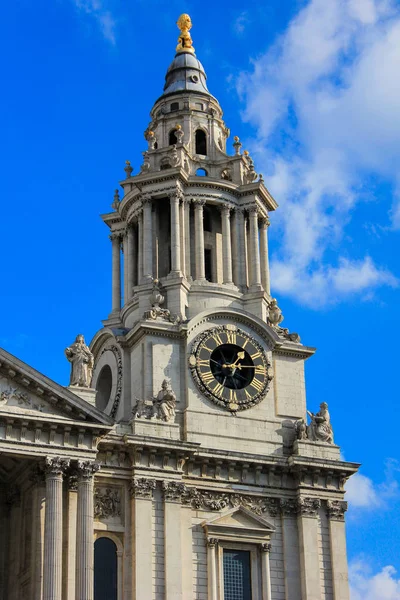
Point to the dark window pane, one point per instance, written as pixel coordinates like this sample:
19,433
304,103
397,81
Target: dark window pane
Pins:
237,580
105,569
208,264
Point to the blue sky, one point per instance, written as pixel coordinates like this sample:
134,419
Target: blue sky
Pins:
312,89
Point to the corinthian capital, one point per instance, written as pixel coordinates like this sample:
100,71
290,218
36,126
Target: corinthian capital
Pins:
198,202
146,199
225,208
56,465
308,507
86,469
175,195
143,488
335,509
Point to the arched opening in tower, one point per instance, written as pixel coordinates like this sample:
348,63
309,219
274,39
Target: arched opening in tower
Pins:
172,138
201,142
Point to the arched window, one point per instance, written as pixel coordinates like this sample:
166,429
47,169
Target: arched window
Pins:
174,106
172,138
201,173
105,569
201,142
165,164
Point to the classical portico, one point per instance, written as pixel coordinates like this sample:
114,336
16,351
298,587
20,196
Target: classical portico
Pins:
181,462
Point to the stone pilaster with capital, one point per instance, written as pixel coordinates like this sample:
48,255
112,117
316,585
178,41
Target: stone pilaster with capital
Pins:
308,507
173,491
335,509
199,239
85,470
143,488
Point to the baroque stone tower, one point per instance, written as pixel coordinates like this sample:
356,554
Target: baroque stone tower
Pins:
224,486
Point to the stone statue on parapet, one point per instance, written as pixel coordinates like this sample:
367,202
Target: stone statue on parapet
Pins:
165,402
275,318
160,407
82,361
320,428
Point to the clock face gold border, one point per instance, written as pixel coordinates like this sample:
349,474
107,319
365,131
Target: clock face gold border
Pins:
233,400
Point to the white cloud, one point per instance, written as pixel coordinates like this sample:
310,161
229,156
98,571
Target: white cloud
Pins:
367,585
241,22
327,94
363,493
101,14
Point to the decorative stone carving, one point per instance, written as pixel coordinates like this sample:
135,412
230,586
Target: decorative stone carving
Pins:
335,509
289,507
86,469
212,542
128,169
265,547
301,429
9,395
173,491
116,200
275,317
152,140
308,507
56,465
107,502
237,144
81,360
72,482
146,162
180,134
165,402
143,488
156,312
320,428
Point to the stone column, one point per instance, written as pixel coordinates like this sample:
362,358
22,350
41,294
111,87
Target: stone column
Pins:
240,255
212,576
52,576
265,572
13,503
290,538
226,243
307,523
254,258
70,532
141,531
199,240
175,235
186,225
116,272
147,240
212,568
126,259
84,530
131,260
265,281
140,245
337,534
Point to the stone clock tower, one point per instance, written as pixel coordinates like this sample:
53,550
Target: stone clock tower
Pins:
234,496
178,464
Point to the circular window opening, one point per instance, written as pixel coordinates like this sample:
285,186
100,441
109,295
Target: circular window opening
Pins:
194,78
103,387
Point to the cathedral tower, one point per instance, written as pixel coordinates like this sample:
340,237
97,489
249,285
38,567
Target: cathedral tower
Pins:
178,463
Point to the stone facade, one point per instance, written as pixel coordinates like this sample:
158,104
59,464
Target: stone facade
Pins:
182,436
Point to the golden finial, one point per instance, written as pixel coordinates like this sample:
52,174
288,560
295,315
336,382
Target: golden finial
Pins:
236,138
177,126
151,134
185,43
128,162
246,152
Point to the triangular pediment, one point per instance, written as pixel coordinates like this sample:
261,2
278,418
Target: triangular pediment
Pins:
241,524
27,393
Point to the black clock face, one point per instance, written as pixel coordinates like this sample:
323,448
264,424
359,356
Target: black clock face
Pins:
230,367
